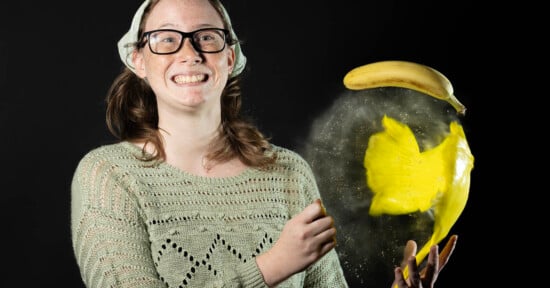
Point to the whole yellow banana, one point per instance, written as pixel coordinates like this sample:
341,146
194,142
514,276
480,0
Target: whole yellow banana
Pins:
403,74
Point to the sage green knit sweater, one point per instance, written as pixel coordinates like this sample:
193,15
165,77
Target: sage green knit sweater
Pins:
141,225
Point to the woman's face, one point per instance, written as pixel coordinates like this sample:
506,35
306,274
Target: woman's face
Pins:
187,78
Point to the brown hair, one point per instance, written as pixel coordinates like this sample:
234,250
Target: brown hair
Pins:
132,115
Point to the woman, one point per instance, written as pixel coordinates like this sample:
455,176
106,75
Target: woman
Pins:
193,195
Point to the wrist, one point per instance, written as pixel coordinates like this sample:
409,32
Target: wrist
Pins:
271,269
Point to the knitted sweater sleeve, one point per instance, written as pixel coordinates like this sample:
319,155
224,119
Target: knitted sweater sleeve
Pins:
327,271
110,241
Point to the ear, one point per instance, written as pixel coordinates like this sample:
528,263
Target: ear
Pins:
139,64
231,60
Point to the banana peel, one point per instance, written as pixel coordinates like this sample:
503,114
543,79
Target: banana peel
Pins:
404,74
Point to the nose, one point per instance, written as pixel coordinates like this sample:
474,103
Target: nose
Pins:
188,53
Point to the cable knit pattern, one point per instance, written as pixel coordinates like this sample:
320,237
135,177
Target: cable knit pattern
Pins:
140,225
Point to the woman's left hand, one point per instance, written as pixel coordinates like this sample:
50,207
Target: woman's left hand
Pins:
427,277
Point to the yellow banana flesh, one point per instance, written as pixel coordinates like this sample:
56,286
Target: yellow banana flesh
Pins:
403,74
406,180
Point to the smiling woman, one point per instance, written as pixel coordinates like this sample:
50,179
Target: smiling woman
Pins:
193,194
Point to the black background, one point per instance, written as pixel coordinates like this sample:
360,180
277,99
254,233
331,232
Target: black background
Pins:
59,58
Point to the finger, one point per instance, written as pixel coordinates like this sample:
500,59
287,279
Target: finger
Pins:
328,245
322,243
447,251
410,250
324,225
399,279
328,235
313,211
430,272
321,224
414,276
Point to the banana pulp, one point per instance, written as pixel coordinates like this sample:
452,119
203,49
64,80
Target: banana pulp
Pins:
406,180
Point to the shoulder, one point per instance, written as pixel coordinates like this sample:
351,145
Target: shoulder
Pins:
291,162
290,165
106,179
107,152
109,158
288,156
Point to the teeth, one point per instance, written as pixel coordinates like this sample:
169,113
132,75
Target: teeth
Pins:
182,79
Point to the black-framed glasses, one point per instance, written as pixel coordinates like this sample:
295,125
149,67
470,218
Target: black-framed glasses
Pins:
169,41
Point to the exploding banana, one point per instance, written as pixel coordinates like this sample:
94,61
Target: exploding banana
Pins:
405,179
403,74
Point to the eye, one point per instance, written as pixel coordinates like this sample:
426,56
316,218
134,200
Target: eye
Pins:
165,37
168,39
206,36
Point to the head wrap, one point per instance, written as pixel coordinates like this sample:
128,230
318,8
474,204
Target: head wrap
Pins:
126,43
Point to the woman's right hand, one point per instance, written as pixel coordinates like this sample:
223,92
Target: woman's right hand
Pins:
305,238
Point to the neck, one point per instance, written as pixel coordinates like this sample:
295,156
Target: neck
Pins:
186,146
